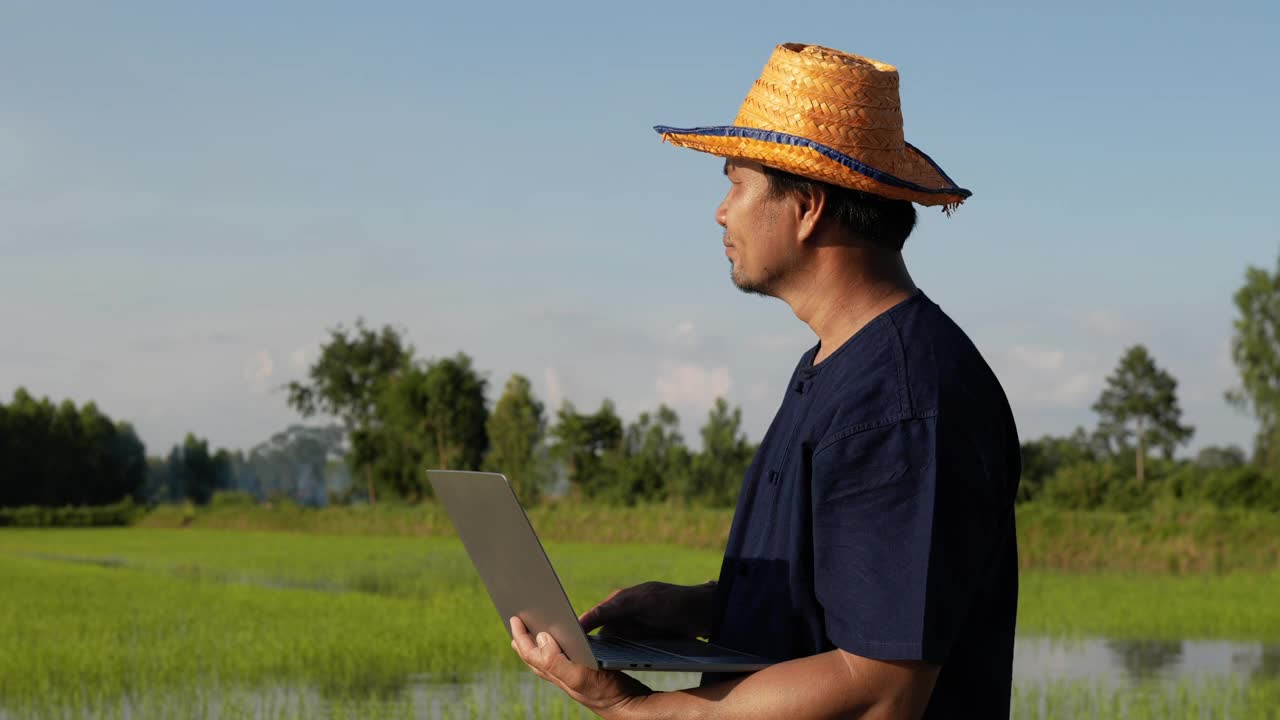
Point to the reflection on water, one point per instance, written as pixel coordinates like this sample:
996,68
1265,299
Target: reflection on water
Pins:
1052,678
1269,665
1146,658
1040,659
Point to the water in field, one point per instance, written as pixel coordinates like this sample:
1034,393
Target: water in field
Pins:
1140,661
142,624
1053,678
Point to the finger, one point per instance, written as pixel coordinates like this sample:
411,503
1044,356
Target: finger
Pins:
535,651
524,642
562,670
600,614
620,630
515,645
532,660
593,615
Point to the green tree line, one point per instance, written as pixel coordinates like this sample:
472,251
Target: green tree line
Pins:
61,455
399,415
406,415
1138,411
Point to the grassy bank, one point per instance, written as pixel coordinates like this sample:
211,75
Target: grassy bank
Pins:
692,527
1171,539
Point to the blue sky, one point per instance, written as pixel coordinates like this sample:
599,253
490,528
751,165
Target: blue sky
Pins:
191,195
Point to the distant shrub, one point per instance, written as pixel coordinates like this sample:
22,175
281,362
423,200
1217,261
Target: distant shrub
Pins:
232,499
188,511
121,513
1246,486
1112,485
1081,485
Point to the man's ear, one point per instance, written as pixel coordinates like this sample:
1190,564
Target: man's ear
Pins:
811,204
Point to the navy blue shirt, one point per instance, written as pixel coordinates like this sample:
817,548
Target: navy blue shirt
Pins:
877,516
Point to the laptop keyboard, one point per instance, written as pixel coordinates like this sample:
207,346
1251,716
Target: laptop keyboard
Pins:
608,649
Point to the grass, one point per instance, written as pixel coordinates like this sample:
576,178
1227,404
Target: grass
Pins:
1175,539
1235,606
514,696
694,527
191,623
347,614
1226,699
1169,538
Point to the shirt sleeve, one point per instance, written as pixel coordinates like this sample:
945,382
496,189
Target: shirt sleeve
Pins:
904,530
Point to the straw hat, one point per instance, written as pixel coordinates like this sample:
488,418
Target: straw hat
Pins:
829,116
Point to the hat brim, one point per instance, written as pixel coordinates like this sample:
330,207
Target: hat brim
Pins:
918,179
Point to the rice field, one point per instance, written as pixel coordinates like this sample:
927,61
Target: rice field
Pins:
140,623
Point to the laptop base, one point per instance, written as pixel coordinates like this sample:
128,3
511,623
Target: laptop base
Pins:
614,653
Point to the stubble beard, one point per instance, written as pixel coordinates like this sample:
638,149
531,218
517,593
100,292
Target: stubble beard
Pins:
741,282
745,285
762,287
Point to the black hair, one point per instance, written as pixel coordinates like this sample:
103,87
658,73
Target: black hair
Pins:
880,221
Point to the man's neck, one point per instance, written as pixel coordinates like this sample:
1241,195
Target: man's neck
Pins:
837,297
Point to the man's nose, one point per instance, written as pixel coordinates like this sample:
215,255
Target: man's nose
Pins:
722,215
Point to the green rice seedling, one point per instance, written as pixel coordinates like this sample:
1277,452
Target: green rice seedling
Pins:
1238,606
1217,698
139,623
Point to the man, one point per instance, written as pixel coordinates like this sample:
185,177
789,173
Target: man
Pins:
873,548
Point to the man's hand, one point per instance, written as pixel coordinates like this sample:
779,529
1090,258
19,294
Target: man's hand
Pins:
654,610
606,693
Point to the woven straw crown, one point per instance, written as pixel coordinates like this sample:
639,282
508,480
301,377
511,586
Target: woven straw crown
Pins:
829,116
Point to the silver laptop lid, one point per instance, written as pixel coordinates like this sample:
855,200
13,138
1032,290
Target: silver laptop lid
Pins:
512,564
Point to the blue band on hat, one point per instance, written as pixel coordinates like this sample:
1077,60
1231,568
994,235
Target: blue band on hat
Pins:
782,138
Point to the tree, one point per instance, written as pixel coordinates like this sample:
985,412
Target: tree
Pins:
582,440
1042,458
293,463
203,473
66,455
456,412
394,458
649,462
718,470
190,472
1218,457
348,378
433,416
1138,392
516,429
1255,350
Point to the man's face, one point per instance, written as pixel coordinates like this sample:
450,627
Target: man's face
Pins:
759,232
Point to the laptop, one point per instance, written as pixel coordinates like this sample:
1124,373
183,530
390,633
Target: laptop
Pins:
521,582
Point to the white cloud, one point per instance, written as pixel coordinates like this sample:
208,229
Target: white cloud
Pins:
1044,376
691,386
1101,321
258,368
685,334
300,358
1037,358
554,390
1072,390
